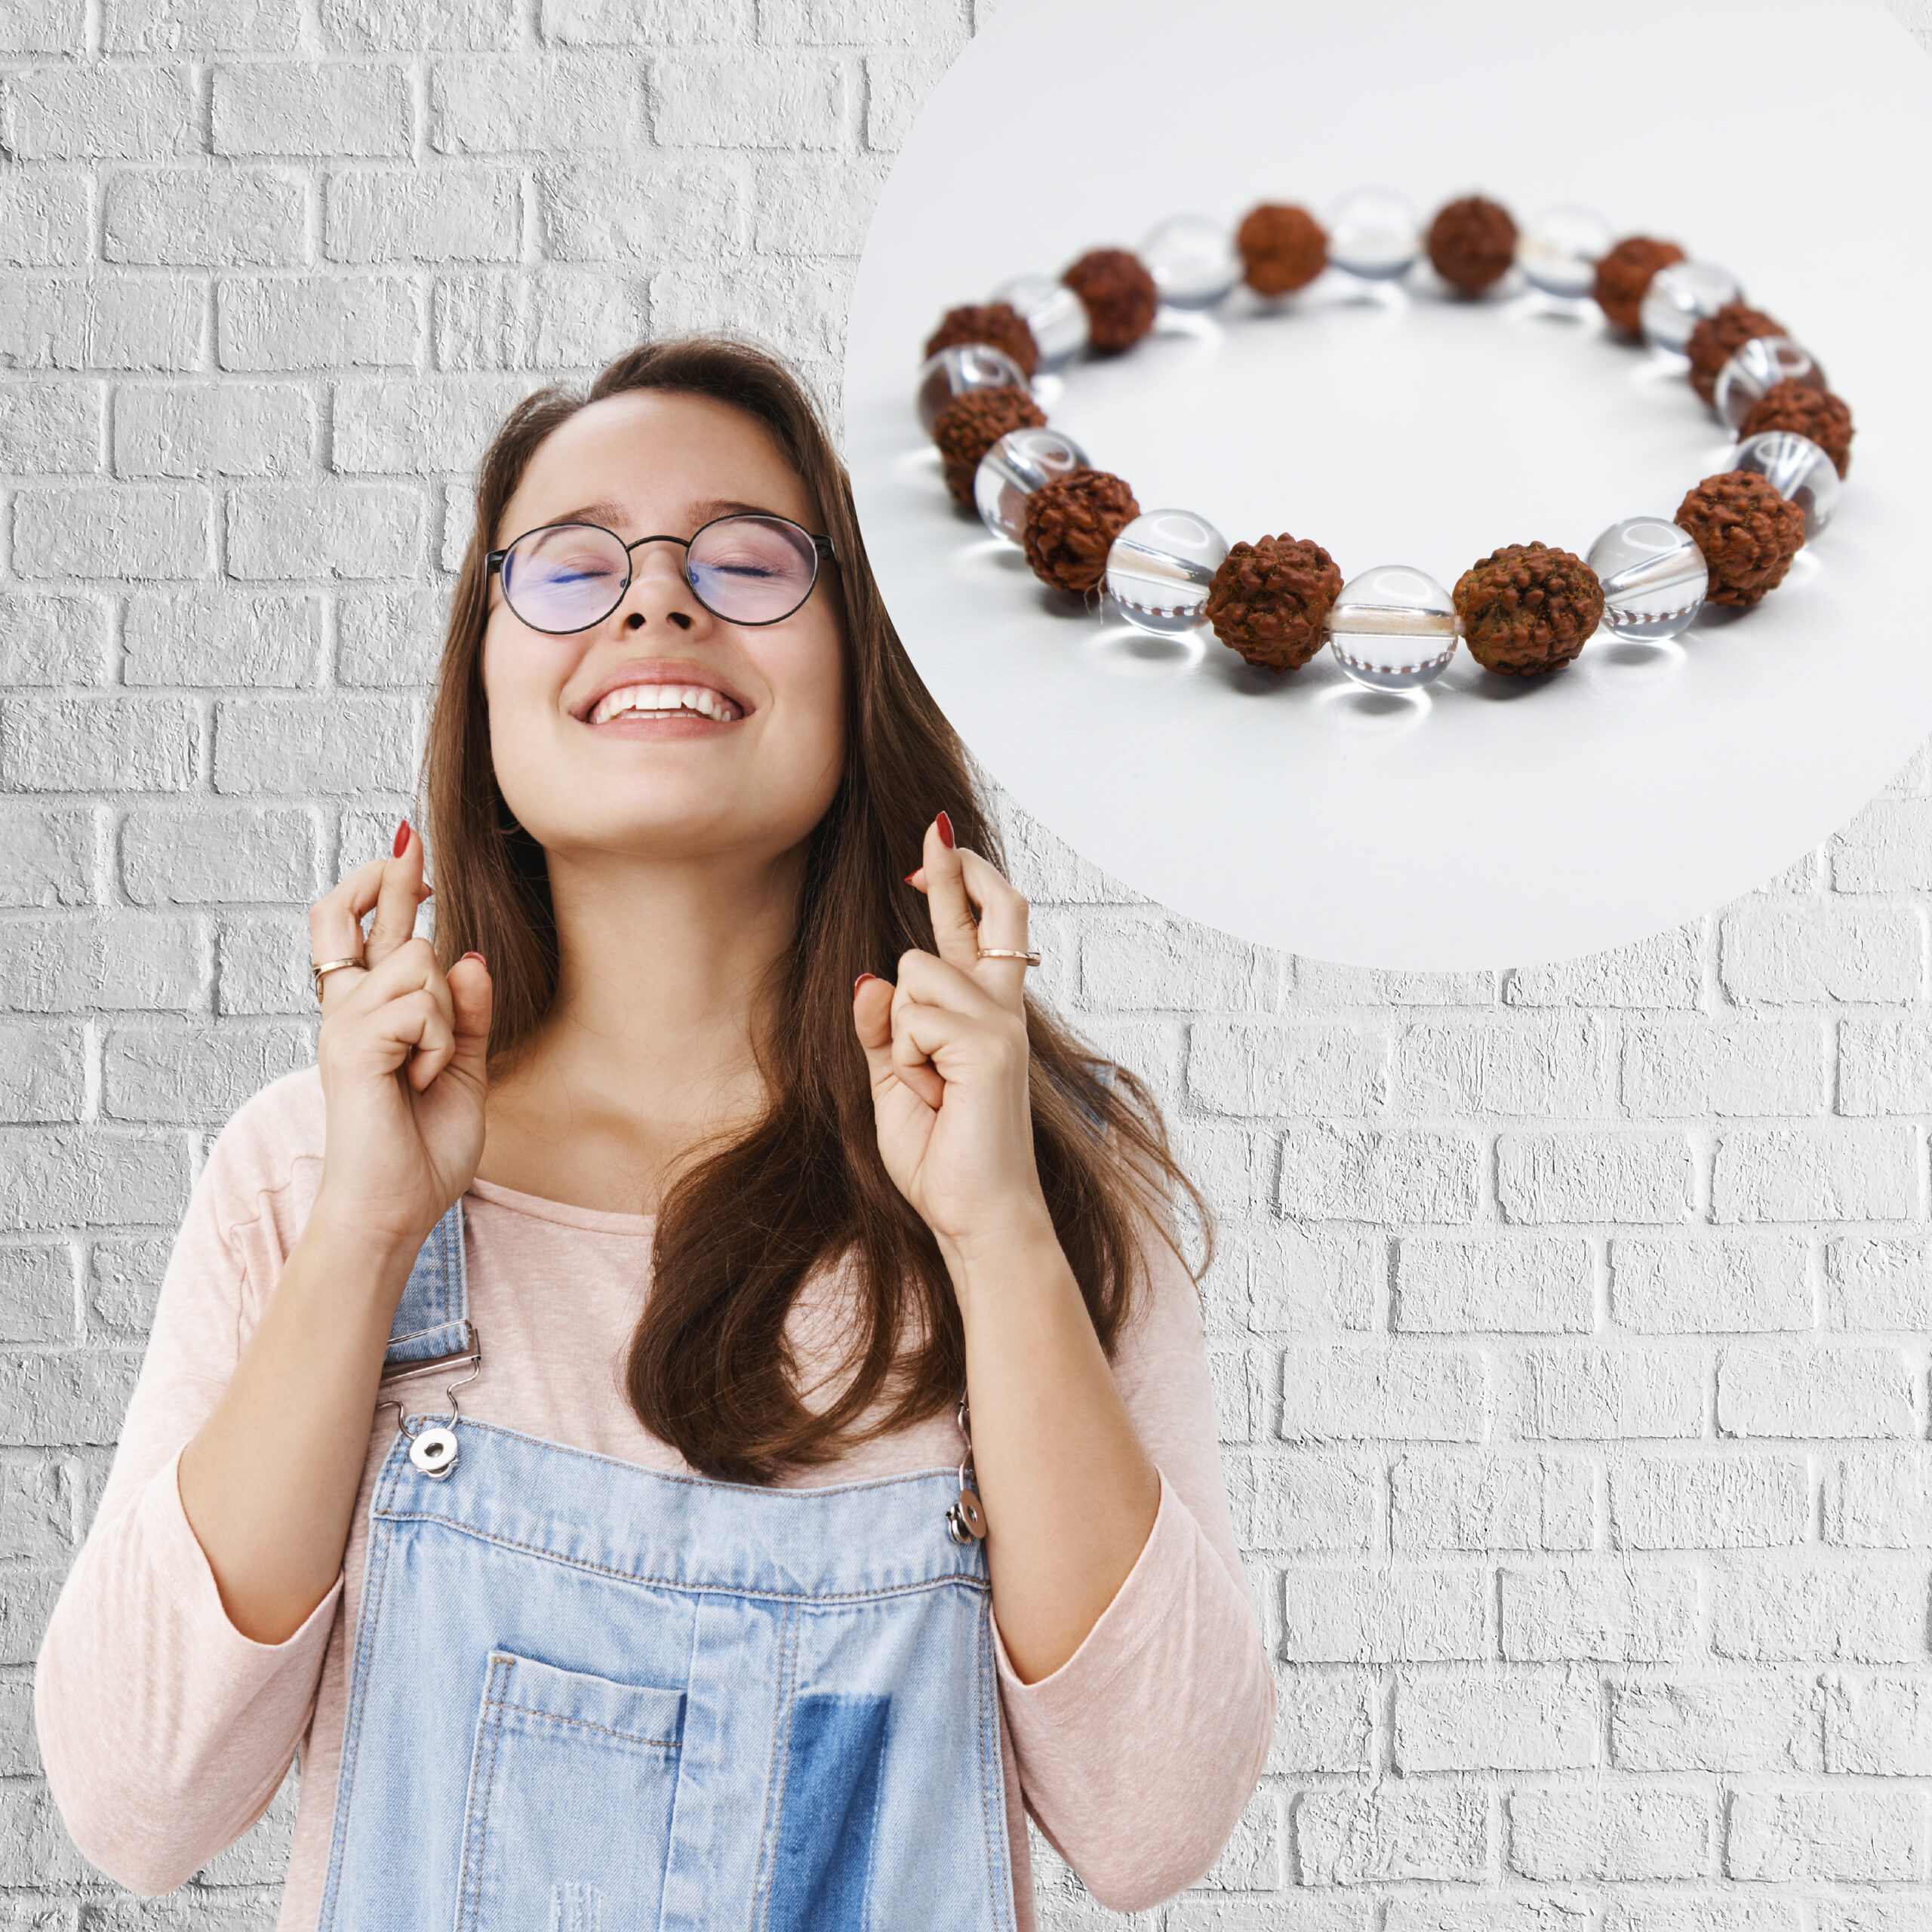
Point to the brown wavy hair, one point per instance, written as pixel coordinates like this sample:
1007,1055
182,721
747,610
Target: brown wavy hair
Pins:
743,1224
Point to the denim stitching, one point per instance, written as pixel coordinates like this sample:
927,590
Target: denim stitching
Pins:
790,1630
463,1905
583,1723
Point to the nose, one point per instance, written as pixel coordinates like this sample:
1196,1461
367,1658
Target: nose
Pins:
657,596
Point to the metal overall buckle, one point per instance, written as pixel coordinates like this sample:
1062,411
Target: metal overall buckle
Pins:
965,1521
434,1449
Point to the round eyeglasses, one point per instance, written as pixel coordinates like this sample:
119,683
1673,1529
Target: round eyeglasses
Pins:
749,568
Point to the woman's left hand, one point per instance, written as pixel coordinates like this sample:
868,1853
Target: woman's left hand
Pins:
948,1053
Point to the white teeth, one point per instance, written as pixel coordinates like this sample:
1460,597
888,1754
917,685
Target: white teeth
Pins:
660,698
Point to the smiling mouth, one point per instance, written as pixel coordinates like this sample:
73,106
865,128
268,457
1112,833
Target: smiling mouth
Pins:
665,701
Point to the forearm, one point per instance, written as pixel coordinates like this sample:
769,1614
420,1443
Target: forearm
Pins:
1068,1493
269,1482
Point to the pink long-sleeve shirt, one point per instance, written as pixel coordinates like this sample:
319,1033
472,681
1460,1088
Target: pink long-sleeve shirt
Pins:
165,1732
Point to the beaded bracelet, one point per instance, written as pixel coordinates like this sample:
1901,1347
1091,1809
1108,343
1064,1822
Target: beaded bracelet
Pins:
1525,608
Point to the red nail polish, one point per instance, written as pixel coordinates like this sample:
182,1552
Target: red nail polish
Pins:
861,981
912,877
945,825
402,840
478,957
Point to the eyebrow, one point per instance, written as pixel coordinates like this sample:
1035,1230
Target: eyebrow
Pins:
611,515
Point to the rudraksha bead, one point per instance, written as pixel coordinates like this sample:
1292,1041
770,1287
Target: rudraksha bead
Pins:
998,324
1284,247
1269,600
1472,243
1118,295
1717,338
970,424
1070,524
1624,274
1810,411
1526,608
1748,532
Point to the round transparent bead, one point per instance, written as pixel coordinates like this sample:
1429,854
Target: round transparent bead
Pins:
1678,298
1653,578
1056,316
1558,251
1014,469
1192,260
954,371
1160,568
1374,233
1798,470
1393,628
1752,369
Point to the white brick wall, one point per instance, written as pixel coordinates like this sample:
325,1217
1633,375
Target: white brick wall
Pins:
1570,1325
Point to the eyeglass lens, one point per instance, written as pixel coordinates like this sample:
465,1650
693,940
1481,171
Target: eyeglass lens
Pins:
748,569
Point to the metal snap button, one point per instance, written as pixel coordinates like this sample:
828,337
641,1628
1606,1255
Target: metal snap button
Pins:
434,1451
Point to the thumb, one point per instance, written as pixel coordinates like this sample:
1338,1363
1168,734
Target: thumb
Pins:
472,996
872,1021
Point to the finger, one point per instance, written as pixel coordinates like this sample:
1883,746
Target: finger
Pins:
1003,923
911,1066
934,983
955,933
435,1046
473,995
398,895
871,1022
335,928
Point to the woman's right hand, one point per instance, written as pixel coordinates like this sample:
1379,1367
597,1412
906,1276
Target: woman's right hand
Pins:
402,1055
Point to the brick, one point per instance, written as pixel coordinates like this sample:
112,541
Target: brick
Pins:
1547,1066
222,636
1884,849
99,110
544,319
1666,971
1878,1726
54,26
1443,1500
1905,1914
1372,1174
815,203
43,1073
408,26
1367,1614
78,963
1843,1836
54,640
123,1279
897,82
338,744
1866,1609
1479,1720
1766,1388
1822,951
1142,965
100,323
82,1178
43,221
1885,1065
1759,1065
1699,1285
203,218
52,1396
1540,1285
1547,1177
220,855
122,530
19,1754
1237,1066
390,637
325,529
1304,1502
1868,1172
210,27
37,1300
36,1510
664,206
1602,1833
442,214
51,428
46,854
739,98
1759,1721
1251,1859
797,300
226,428
196,1074
631,23
1326,984
1295,1281
841,22
316,108
318,322
1354,1392
73,744
507,104
1424,1911
1707,1502
263,966
1603,1611
1880,1499
26,1601
405,425
1387,1834
1578,1393
1325,1720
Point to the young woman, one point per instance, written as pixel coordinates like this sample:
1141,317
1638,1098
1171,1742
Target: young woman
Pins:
555,1424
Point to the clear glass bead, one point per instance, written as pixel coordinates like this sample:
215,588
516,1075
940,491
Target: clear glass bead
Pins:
952,372
1374,233
1678,298
1798,470
1159,568
1193,260
1014,469
1056,316
1653,578
1755,366
1558,251
1393,628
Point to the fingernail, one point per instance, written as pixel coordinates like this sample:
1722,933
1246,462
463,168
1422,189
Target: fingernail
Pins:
402,840
478,957
912,877
861,981
945,825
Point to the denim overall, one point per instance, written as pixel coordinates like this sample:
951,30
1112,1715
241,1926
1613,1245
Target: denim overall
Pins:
586,1697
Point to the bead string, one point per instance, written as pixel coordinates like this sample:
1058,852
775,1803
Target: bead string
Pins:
1525,609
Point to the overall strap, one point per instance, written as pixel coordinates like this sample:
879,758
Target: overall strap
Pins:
432,1318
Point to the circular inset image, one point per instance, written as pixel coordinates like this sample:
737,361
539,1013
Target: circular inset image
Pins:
1422,560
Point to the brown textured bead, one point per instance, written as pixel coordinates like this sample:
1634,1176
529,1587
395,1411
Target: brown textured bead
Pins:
1269,600
1748,534
1526,608
1624,274
998,324
1471,242
1283,247
970,424
1717,338
1070,524
1809,411
1119,296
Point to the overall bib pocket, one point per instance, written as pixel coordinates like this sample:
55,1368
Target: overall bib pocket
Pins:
559,1756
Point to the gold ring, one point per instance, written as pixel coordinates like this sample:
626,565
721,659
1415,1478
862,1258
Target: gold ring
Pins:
317,971
1032,958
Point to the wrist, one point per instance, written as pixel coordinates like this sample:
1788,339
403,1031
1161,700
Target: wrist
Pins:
358,1250
1013,1247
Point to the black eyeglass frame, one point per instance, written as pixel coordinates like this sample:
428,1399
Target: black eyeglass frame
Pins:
822,546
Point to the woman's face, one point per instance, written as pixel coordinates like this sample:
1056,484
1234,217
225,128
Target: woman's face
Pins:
747,767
